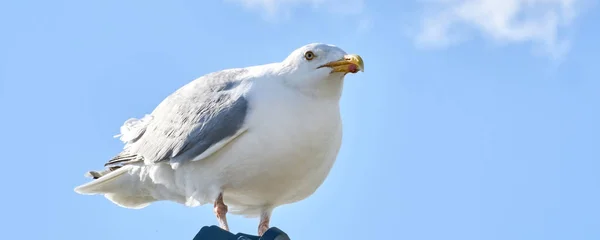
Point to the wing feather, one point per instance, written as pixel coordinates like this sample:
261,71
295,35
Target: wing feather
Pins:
190,124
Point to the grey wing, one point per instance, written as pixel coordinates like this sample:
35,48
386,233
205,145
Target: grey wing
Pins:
192,123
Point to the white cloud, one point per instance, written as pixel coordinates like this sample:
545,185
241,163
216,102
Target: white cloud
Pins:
283,8
540,22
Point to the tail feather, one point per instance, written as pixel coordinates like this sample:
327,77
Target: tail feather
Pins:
103,182
119,186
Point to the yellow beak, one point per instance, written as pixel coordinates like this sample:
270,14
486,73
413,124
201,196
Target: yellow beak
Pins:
351,63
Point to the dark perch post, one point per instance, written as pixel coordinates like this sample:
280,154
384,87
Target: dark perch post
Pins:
217,233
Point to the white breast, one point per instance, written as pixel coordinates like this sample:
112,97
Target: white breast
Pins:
295,139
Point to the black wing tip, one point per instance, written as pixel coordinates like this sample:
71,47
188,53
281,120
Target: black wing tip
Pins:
96,174
122,160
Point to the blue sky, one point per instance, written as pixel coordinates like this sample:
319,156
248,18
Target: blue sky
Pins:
473,120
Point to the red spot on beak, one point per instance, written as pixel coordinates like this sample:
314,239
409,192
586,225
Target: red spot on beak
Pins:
352,68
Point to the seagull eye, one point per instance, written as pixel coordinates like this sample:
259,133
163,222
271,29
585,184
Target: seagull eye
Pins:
309,55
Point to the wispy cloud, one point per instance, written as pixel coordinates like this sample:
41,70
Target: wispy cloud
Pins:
539,22
272,9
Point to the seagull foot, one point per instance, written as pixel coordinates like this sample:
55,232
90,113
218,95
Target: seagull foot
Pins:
263,226
221,212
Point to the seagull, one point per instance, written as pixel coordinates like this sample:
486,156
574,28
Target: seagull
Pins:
245,140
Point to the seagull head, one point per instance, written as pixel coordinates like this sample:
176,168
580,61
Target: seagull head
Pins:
319,67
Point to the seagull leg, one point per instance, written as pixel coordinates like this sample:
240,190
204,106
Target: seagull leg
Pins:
265,218
221,212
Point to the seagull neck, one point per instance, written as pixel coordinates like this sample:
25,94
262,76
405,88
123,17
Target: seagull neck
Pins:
330,88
